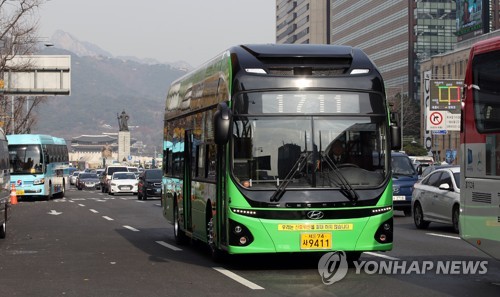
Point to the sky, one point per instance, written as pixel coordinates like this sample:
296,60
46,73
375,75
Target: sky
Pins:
193,31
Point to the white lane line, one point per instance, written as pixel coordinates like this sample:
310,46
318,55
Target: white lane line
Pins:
174,248
140,201
77,199
238,278
442,235
381,256
158,204
82,205
130,228
93,210
108,218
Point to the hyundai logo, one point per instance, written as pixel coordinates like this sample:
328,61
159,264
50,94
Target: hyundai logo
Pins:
315,215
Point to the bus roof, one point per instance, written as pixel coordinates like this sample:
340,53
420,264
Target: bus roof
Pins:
486,45
271,66
34,139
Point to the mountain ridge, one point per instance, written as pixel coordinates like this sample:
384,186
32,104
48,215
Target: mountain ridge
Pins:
103,86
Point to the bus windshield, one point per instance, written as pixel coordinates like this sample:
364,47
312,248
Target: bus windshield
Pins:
317,135
25,159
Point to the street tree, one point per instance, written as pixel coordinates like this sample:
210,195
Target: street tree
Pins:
410,114
18,36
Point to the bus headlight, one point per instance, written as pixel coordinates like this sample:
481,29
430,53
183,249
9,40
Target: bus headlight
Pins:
39,181
384,233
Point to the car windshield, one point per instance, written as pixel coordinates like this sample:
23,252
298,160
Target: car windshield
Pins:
88,175
25,159
124,175
456,175
307,132
154,174
401,165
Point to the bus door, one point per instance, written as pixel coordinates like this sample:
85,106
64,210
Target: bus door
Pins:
187,176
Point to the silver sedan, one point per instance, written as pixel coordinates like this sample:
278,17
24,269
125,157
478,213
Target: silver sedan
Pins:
436,198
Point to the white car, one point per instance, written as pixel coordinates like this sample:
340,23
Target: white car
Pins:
73,177
436,198
123,182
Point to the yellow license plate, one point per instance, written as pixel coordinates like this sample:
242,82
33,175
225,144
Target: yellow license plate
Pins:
315,241
19,192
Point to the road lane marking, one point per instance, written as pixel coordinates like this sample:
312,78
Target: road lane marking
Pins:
108,218
442,235
140,201
93,210
174,248
130,228
82,205
78,199
54,212
238,278
382,256
158,204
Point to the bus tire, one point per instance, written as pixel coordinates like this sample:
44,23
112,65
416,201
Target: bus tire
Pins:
352,257
216,254
3,229
180,236
418,217
455,218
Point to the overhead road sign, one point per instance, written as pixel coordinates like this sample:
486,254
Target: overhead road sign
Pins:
37,75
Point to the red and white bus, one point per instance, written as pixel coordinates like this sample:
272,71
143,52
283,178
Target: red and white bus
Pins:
480,149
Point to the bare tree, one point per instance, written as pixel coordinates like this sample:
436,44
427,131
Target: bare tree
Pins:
411,113
18,36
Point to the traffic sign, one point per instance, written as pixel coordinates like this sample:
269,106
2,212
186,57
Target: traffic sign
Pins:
440,132
436,118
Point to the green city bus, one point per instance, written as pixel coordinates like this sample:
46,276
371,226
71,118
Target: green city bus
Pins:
280,149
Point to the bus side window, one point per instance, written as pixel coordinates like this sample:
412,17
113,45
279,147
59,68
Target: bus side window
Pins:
492,118
211,160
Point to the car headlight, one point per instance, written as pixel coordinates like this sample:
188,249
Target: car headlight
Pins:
39,181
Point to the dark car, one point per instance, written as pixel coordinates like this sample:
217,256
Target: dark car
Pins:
149,184
404,176
88,181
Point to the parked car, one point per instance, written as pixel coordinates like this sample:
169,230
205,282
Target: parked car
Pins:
88,181
108,172
149,184
5,185
73,177
437,198
404,176
123,182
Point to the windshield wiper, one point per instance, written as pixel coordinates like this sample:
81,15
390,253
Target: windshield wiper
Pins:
297,167
343,183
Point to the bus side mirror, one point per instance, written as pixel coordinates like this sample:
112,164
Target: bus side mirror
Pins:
222,121
396,137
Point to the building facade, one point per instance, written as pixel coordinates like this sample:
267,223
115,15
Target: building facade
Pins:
450,65
302,21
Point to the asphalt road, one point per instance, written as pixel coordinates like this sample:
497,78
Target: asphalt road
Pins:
92,244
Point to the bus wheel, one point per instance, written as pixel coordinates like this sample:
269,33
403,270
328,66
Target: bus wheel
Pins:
3,230
352,257
215,252
418,217
180,236
456,218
